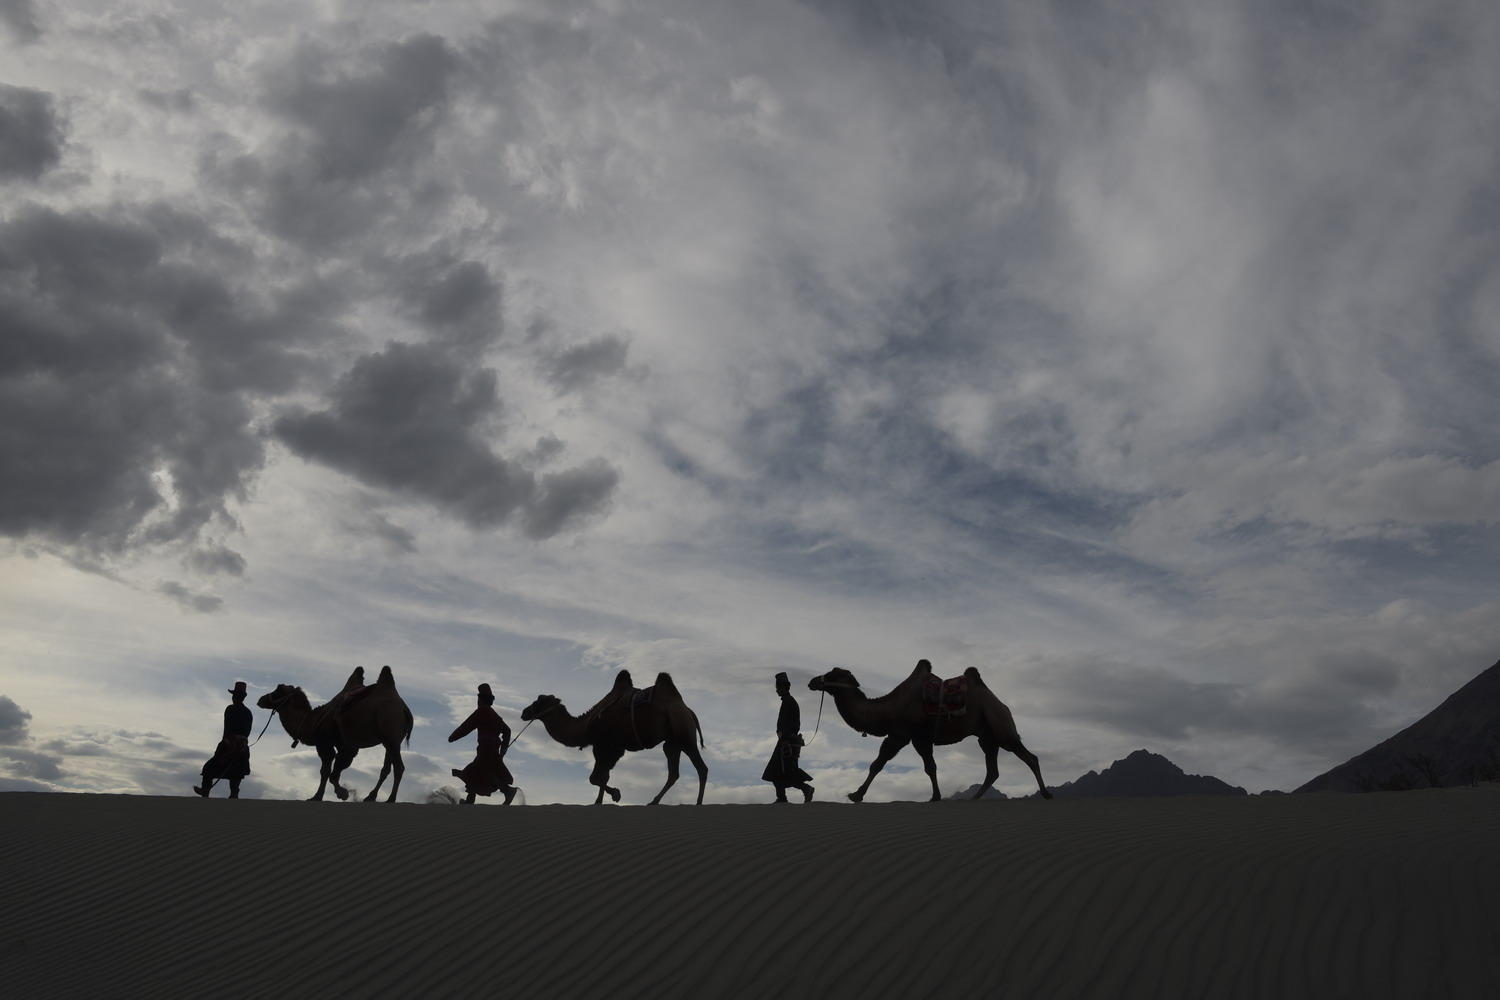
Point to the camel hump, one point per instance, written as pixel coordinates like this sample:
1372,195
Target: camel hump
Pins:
664,685
623,681
386,679
972,673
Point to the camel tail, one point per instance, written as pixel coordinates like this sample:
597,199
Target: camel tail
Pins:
699,726
410,723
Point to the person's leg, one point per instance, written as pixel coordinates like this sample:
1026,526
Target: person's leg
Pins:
469,799
510,793
807,791
780,792
234,788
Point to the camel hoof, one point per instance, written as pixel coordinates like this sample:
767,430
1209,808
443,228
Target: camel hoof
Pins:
614,794
342,793
856,797
1046,794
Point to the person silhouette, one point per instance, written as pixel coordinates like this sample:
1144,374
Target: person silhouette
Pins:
487,772
231,759
783,771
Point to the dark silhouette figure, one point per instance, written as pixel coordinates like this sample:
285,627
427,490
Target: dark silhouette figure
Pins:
783,770
231,759
487,772
354,719
628,719
924,710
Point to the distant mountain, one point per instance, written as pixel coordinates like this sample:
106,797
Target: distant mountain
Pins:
1144,773
968,793
1454,744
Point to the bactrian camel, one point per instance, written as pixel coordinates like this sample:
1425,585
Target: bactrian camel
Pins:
627,720
356,718
902,718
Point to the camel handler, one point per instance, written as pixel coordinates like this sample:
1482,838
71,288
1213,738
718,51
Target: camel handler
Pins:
783,770
231,758
487,772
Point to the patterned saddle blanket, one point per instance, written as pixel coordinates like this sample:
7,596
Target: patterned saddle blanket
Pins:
945,697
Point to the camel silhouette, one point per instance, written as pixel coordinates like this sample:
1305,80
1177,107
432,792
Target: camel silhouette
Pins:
355,719
627,720
905,716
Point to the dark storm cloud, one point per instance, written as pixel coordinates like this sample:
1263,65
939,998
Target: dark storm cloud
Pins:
457,302
412,419
216,559
190,600
14,721
567,497
30,135
348,123
127,361
20,17
578,367
23,763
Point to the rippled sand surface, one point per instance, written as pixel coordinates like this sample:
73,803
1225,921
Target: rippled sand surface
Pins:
1382,895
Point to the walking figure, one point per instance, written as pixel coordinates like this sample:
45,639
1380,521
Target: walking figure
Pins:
487,772
231,759
783,770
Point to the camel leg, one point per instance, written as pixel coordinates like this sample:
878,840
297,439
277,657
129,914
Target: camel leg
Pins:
696,758
991,768
325,762
393,754
385,769
923,746
889,747
604,762
344,759
1029,759
674,753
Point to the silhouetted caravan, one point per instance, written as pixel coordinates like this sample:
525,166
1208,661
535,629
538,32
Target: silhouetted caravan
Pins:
925,710
355,719
231,759
486,773
627,719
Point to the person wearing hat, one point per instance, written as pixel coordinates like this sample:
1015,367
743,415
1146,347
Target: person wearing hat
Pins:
783,770
487,772
231,760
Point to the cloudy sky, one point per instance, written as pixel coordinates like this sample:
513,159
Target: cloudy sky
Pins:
1141,355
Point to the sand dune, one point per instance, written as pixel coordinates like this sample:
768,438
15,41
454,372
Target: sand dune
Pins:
1383,895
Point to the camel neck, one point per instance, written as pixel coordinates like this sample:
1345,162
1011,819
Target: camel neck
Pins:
569,730
296,717
854,706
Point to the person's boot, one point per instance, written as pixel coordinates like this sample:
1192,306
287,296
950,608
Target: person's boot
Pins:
203,790
510,793
234,789
468,800
807,791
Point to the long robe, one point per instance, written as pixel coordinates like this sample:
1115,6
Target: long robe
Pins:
486,773
231,759
782,768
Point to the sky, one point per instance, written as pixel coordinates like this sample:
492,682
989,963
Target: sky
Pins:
1142,356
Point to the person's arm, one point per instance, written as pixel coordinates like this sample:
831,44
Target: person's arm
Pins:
465,729
504,734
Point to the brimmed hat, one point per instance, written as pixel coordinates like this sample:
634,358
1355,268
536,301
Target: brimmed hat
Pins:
239,688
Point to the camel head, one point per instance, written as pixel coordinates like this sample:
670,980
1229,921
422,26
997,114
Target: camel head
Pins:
544,704
838,677
276,699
